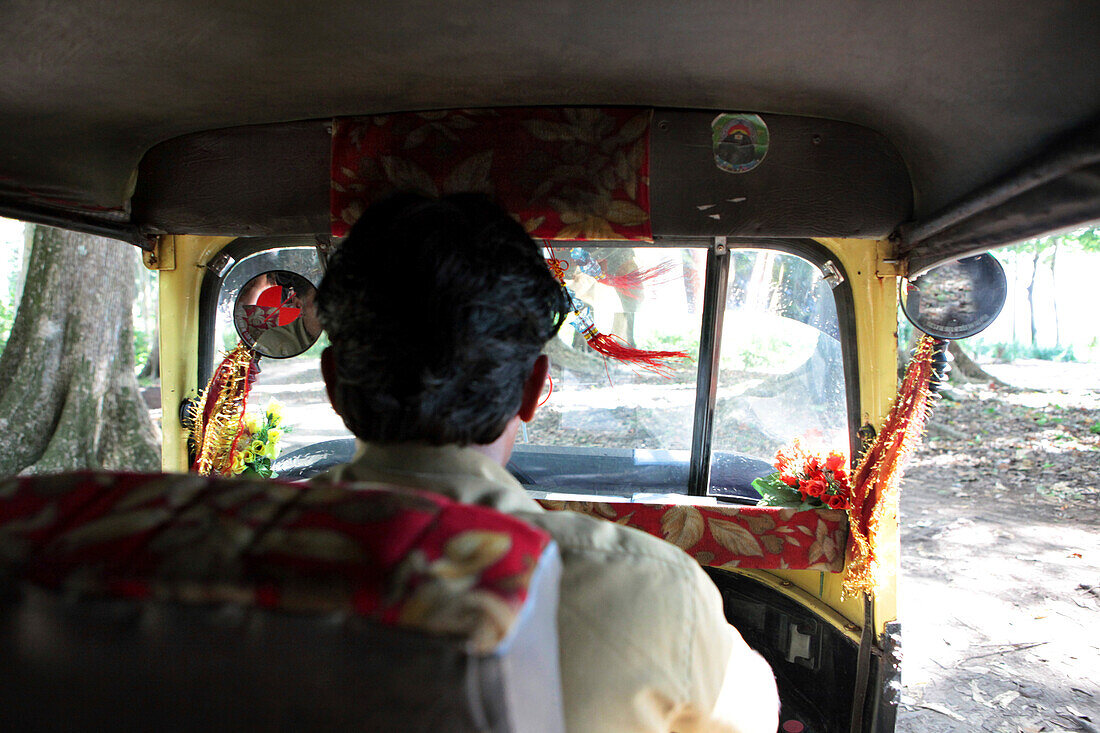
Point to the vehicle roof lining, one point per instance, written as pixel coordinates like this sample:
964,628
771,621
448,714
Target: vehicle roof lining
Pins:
964,91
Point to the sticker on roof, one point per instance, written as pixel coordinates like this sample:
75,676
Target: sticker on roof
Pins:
740,141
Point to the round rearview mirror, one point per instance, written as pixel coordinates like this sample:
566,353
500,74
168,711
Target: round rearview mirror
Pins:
958,299
275,314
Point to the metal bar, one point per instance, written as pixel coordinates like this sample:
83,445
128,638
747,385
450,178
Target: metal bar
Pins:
1070,201
710,350
863,666
1056,161
80,223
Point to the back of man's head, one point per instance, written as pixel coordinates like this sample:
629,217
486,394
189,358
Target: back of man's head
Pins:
436,310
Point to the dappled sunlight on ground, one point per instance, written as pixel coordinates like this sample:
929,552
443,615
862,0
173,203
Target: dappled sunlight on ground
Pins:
1000,589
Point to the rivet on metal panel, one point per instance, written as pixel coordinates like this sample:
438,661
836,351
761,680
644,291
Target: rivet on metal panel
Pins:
720,245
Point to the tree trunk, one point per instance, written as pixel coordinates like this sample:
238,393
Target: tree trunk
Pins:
965,367
1031,291
581,359
1054,294
68,395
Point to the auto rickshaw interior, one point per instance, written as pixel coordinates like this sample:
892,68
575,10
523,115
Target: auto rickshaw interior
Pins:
796,163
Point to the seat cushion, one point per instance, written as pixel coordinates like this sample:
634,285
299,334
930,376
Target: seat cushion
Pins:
137,597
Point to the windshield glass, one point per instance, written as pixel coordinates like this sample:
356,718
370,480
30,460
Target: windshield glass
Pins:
610,427
781,371
608,424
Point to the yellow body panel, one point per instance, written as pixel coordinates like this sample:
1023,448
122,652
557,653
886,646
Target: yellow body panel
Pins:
179,337
867,264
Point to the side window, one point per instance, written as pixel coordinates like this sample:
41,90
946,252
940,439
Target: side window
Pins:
781,372
295,382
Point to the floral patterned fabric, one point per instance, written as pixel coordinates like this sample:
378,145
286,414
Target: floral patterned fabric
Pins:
734,537
409,559
573,173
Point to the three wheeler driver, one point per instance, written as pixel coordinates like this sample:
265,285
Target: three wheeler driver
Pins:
735,197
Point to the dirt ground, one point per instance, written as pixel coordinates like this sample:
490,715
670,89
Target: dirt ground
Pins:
1000,517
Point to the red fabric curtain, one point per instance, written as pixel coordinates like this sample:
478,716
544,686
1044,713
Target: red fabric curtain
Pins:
569,174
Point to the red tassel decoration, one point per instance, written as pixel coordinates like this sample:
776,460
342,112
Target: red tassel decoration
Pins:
634,280
609,345
614,347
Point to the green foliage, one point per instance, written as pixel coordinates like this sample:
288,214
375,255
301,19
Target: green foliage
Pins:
9,293
7,318
1011,351
1095,428
663,341
773,492
143,347
763,352
1084,240
314,352
229,340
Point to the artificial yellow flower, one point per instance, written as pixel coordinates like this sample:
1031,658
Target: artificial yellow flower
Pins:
271,450
247,456
275,412
238,463
273,435
253,423
257,447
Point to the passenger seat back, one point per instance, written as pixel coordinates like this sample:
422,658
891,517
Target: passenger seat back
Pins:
176,602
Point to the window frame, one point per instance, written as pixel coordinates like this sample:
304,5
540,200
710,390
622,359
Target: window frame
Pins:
710,340
716,285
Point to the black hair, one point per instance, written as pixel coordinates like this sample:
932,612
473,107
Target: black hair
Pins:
436,310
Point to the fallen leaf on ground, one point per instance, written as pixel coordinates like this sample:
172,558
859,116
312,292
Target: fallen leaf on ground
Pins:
977,695
942,711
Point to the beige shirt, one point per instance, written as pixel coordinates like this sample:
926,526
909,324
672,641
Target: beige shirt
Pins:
644,642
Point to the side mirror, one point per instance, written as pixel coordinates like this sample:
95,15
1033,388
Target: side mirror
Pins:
275,314
957,299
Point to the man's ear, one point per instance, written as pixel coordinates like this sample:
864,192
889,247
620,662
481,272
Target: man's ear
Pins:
328,372
532,388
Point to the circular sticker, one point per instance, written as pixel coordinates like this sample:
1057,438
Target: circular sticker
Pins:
740,141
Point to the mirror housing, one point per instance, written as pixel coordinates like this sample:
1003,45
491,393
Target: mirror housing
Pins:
275,314
957,299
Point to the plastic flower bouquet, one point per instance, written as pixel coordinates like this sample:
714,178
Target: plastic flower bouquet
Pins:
257,446
806,479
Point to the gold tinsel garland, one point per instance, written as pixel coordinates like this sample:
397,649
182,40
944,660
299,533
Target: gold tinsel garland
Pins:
216,418
877,477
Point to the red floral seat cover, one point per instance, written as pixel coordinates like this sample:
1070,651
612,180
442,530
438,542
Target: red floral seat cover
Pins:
732,536
408,559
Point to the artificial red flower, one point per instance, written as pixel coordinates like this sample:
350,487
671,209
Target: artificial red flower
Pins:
815,487
836,501
791,481
835,461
